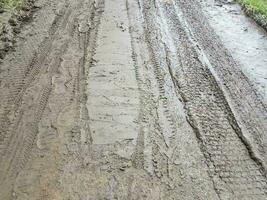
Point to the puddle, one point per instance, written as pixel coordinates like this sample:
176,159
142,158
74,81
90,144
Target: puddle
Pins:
246,41
113,99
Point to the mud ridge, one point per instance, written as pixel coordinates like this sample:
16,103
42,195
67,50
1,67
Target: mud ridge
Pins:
88,44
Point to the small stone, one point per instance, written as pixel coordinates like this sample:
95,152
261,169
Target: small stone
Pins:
12,22
16,30
25,8
122,168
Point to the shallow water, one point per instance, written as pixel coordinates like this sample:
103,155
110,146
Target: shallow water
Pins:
246,41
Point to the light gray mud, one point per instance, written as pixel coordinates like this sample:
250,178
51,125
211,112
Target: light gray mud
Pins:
127,99
246,41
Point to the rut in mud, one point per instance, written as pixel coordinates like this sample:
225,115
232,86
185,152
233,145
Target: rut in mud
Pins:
127,99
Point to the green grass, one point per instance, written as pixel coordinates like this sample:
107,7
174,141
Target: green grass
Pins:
257,9
255,6
11,4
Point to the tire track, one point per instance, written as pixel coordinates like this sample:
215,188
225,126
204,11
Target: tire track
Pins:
253,150
13,100
18,150
234,173
71,117
249,111
158,148
87,42
38,65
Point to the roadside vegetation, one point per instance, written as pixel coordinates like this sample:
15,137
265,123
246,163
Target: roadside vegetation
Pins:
256,6
11,4
257,9
13,13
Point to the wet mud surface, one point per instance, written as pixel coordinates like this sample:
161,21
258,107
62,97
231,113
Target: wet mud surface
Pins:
128,99
246,41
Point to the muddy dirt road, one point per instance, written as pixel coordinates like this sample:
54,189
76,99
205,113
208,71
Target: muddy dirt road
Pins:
128,99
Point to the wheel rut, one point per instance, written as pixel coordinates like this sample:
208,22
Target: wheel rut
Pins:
208,112
31,101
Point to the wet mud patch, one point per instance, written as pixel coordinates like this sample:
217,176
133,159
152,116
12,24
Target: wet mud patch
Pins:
102,172
125,106
246,41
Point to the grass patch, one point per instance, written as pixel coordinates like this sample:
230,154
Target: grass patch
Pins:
256,6
11,4
257,9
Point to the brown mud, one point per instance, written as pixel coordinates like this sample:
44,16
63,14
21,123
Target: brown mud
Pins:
128,99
